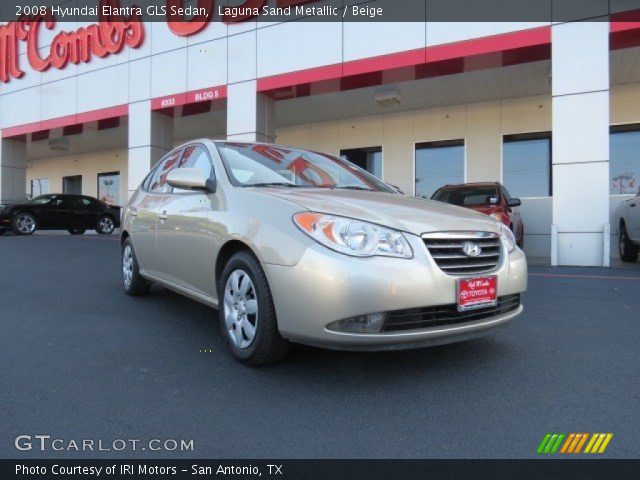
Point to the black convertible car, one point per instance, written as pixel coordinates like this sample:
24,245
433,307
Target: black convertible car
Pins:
75,213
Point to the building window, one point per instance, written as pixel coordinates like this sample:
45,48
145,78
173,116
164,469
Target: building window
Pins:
438,164
109,188
526,164
40,186
369,159
624,159
72,185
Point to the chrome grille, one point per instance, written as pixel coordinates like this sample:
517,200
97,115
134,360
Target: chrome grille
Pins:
447,250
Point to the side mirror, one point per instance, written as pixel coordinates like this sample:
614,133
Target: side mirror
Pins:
492,200
514,202
190,179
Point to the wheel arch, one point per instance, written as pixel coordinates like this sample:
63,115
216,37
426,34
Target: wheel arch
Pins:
228,250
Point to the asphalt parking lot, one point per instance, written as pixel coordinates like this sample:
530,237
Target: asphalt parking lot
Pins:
80,359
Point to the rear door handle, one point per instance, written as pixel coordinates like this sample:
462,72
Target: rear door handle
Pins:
163,215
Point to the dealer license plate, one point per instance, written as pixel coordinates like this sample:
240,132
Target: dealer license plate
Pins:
477,292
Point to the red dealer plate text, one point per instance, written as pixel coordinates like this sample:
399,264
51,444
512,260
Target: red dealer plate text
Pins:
477,292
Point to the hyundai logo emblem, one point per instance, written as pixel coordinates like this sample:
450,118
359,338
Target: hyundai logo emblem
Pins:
471,249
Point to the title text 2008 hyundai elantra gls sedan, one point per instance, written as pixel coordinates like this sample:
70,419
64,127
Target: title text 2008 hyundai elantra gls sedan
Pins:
297,246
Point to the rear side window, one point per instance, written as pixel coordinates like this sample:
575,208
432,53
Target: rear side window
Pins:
158,181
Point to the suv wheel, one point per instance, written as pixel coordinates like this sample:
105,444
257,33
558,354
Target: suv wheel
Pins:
247,315
24,224
106,225
134,284
627,249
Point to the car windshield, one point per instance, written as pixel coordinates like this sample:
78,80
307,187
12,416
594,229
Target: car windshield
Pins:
262,165
41,200
466,196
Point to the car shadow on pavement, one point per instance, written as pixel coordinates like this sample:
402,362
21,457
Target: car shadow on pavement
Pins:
333,366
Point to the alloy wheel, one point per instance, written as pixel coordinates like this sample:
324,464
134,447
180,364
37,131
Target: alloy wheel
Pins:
127,266
240,309
106,225
25,224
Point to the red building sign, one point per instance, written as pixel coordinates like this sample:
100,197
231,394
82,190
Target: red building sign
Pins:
107,37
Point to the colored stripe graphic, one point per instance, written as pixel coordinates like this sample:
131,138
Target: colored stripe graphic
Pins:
543,443
573,443
566,445
550,443
581,442
598,443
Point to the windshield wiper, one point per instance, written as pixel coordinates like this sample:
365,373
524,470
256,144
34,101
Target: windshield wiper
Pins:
272,184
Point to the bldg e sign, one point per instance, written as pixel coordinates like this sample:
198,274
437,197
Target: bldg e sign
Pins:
110,36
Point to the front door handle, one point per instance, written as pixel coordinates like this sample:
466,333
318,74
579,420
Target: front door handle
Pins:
163,215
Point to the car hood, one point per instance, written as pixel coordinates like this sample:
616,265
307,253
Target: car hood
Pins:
409,214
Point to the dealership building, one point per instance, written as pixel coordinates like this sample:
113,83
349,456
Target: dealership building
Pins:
551,110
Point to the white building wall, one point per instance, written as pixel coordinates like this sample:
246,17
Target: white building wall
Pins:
580,117
218,55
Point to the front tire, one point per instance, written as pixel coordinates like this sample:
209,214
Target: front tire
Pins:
134,284
247,314
106,225
627,249
24,224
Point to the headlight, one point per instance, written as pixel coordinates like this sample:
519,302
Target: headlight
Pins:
508,237
353,237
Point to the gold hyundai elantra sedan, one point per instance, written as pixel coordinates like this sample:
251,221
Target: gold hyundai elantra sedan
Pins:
298,246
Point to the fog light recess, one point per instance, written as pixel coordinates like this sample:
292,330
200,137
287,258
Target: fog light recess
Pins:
371,323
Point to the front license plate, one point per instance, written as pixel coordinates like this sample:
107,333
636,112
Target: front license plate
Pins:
477,292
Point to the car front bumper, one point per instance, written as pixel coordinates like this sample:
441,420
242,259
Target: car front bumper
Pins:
325,286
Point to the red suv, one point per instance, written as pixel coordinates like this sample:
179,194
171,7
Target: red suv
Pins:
488,198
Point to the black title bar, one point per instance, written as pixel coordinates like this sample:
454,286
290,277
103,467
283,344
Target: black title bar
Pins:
320,469
235,11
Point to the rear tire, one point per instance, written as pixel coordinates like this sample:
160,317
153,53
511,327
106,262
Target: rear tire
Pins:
247,315
76,231
24,224
106,225
627,249
134,284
